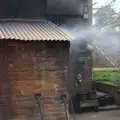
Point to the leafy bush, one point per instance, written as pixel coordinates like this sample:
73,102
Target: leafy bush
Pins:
107,76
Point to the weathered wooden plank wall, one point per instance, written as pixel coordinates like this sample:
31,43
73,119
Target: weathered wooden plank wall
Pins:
27,68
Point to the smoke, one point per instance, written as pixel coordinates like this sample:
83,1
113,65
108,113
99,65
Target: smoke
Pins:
106,39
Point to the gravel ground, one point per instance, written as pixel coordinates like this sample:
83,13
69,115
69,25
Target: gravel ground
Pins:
103,115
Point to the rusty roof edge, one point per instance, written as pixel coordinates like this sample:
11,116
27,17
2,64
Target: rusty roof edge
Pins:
54,40
70,38
57,29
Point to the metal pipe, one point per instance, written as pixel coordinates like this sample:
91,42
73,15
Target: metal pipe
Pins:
37,96
64,99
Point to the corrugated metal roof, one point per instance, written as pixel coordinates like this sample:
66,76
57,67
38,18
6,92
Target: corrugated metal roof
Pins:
28,30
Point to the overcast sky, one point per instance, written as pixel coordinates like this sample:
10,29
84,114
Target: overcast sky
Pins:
103,2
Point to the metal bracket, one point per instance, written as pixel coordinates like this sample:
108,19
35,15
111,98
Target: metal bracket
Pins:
37,97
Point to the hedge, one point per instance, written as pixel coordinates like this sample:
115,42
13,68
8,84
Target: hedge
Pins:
108,76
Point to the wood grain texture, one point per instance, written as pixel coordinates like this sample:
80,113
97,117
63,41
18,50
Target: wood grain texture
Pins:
27,69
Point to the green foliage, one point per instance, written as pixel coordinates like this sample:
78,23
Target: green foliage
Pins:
108,77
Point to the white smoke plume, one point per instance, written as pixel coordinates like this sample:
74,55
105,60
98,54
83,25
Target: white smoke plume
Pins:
109,41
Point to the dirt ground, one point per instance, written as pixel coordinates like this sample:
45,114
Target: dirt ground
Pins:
102,115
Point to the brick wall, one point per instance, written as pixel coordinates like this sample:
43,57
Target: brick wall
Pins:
85,68
27,68
87,82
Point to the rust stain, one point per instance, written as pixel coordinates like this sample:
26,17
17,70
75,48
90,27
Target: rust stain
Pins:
31,30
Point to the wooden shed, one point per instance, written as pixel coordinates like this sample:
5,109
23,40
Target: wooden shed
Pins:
34,58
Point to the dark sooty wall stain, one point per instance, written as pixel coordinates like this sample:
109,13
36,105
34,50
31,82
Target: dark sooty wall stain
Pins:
22,8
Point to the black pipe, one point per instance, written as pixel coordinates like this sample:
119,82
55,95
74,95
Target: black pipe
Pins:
37,97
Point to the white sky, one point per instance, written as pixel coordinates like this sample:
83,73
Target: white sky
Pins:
103,2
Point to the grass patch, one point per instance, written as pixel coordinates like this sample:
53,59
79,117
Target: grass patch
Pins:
107,75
